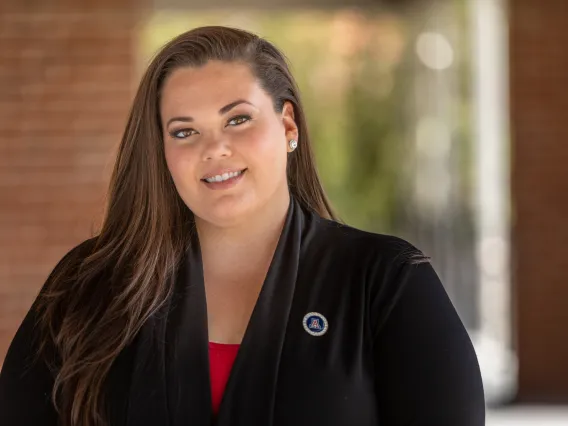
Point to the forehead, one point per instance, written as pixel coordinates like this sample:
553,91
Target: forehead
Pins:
212,86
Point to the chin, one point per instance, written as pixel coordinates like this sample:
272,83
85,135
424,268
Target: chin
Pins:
227,211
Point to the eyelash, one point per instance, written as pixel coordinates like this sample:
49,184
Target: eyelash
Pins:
246,118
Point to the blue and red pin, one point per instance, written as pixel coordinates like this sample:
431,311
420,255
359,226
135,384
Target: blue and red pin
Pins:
315,324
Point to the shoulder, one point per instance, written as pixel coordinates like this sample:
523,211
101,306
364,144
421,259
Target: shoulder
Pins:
367,248
54,293
32,328
386,264
71,260
77,253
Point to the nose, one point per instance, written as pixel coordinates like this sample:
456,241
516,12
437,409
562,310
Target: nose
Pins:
215,148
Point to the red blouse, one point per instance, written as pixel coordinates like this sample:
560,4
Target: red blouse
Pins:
221,359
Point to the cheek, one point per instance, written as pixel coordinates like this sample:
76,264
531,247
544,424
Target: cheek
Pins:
180,164
268,149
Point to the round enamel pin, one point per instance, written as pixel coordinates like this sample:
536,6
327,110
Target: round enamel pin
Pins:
315,324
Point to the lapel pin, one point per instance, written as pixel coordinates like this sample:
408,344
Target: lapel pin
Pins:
315,324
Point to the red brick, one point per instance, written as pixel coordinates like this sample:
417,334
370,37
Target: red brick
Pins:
66,84
539,108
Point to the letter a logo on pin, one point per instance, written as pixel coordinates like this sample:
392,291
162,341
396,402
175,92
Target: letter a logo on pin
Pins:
315,324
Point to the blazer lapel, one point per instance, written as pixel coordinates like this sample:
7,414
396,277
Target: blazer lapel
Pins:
147,395
189,394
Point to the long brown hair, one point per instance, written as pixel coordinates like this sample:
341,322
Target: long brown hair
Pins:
95,302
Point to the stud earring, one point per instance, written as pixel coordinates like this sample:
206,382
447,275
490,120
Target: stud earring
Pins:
293,144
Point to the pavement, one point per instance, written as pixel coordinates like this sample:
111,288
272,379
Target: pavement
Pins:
528,416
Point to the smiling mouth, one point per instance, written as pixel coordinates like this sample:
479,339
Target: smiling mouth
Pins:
224,177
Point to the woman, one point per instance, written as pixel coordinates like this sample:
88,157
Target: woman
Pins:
218,237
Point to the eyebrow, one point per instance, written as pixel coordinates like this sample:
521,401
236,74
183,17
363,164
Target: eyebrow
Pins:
222,111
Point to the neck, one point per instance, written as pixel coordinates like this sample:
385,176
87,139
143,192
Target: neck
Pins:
253,237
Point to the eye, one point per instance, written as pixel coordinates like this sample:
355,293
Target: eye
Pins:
238,120
182,133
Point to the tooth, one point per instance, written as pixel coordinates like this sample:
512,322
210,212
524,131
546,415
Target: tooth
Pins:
223,177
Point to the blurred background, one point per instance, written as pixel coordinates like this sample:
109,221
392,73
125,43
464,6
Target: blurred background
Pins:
441,121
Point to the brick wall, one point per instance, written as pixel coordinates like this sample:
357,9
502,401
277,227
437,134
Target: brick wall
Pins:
66,80
539,95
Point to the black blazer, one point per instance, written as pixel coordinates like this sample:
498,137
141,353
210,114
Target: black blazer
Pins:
386,348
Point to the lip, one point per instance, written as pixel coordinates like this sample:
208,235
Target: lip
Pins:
221,171
226,184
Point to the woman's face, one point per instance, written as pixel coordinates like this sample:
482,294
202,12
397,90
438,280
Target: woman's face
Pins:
225,146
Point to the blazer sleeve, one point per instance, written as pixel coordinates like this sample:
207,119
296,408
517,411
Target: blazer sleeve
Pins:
426,370
26,381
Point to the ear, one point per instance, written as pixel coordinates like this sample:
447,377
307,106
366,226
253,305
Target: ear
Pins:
289,122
